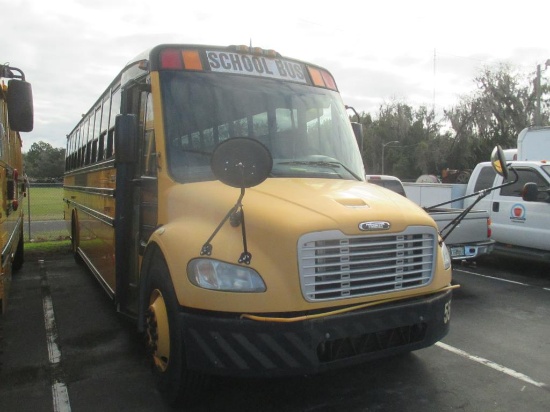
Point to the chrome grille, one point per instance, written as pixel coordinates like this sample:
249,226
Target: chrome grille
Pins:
335,266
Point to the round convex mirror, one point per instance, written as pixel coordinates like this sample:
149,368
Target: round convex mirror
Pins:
241,162
498,161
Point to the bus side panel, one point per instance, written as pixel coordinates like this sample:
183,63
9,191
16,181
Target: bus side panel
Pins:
97,246
90,196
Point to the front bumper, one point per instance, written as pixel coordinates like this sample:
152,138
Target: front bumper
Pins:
242,347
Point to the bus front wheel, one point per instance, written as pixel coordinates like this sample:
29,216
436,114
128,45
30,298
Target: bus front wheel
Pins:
164,340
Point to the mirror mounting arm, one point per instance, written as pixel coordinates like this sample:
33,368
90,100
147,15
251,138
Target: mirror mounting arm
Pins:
207,247
241,163
480,195
246,256
498,162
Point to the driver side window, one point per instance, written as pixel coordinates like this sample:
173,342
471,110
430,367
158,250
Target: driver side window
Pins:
149,155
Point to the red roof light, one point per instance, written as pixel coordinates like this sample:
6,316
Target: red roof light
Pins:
171,59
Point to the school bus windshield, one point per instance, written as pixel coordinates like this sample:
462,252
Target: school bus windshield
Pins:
305,128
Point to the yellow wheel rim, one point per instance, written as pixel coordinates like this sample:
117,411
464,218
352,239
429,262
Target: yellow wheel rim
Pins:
158,331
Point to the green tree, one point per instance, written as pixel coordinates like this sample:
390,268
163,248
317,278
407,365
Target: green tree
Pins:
503,104
43,161
416,131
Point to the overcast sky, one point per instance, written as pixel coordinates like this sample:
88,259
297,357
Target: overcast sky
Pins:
418,52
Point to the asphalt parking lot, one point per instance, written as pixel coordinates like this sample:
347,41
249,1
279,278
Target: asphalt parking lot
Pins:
64,348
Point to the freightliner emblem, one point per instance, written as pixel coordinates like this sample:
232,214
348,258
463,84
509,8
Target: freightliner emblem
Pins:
379,225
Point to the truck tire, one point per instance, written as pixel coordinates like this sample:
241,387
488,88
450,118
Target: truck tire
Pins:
164,342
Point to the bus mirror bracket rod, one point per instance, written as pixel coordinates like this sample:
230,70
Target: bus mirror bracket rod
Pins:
498,162
236,214
239,162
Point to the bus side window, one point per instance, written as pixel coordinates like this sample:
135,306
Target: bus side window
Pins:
106,106
149,161
86,142
2,130
101,147
115,109
95,136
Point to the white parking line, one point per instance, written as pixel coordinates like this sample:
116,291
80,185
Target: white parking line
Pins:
60,393
493,365
492,277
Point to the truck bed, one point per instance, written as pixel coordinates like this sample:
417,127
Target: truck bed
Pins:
470,238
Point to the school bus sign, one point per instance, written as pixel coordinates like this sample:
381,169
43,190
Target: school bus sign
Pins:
275,68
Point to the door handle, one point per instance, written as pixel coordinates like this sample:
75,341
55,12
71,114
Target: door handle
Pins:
496,207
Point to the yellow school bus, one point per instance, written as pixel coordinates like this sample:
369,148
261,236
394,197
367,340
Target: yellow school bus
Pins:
218,195
16,115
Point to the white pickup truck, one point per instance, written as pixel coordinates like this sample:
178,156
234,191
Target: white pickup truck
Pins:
520,228
470,239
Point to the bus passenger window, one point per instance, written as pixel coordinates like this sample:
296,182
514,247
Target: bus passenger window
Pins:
101,147
94,151
115,109
110,143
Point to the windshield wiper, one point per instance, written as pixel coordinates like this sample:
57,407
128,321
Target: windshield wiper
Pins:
331,164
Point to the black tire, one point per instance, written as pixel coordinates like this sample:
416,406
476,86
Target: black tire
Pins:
178,385
19,256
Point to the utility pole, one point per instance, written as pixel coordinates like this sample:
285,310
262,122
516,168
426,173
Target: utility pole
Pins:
538,92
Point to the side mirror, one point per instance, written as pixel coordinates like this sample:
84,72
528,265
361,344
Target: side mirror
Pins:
125,138
358,132
498,161
241,162
530,192
20,106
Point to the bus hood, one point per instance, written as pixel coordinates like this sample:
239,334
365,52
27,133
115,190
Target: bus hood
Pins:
307,204
277,215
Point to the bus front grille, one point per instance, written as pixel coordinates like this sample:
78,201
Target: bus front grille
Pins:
334,266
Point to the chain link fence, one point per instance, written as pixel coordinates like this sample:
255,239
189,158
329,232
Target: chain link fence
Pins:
43,208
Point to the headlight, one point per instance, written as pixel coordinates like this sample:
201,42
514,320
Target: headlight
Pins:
216,275
446,256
